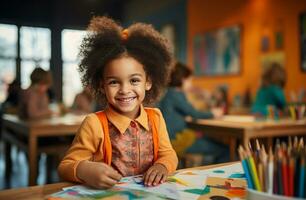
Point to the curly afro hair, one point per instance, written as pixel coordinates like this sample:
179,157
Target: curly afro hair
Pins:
106,41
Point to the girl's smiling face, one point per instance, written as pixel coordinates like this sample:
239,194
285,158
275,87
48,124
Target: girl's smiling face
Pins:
125,83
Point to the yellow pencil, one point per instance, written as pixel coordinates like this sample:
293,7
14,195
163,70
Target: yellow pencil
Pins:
253,171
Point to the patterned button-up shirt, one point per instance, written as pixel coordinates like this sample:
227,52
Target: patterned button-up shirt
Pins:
132,151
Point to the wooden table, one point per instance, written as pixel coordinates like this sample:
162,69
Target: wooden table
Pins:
245,131
40,192
32,130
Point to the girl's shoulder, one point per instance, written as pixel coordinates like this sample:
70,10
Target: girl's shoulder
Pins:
91,125
153,111
91,120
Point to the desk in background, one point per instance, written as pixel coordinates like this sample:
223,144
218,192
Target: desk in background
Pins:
246,130
40,192
32,130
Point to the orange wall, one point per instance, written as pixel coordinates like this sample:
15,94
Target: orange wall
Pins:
257,17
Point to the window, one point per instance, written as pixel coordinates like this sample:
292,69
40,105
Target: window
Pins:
8,53
71,41
35,51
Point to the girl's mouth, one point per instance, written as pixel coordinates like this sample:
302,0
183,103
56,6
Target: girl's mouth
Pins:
126,100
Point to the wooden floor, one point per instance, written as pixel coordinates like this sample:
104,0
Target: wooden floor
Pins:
19,176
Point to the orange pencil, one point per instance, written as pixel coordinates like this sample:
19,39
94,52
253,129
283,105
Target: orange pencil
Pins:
285,176
264,160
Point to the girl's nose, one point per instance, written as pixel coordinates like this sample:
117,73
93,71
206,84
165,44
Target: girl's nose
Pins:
124,89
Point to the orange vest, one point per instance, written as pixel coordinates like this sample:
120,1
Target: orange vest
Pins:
107,145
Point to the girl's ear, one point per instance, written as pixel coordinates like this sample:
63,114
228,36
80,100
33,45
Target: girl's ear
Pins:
148,84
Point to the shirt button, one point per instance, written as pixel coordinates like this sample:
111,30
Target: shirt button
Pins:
133,124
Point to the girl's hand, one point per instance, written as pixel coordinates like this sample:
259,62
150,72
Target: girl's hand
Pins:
97,174
155,175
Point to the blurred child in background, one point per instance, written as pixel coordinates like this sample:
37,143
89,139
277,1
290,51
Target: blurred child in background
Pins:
220,99
34,102
10,105
271,92
175,108
84,102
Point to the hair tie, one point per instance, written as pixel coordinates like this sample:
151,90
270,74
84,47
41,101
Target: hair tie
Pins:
124,35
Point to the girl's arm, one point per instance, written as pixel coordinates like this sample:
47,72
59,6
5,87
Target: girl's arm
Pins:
83,148
79,163
166,153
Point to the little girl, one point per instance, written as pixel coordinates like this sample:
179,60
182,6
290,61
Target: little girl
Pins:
124,68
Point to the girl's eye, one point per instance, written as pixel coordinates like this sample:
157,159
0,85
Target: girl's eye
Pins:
112,82
135,80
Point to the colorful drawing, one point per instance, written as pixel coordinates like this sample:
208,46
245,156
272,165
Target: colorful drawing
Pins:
217,52
190,184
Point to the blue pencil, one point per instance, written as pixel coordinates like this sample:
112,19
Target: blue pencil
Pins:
247,173
302,178
245,168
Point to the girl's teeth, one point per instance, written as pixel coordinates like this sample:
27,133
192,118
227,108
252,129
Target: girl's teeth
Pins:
126,99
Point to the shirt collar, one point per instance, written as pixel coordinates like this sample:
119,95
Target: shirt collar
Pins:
122,122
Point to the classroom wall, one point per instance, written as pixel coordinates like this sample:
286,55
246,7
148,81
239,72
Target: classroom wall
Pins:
256,17
160,13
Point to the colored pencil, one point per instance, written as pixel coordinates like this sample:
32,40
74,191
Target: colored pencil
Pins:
245,167
285,176
271,171
264,160
253,170
260,175
291,176
302,178
280,173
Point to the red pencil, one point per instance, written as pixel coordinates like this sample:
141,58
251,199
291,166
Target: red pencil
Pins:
285,176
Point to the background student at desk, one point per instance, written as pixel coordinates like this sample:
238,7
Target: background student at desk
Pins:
34,101
175,108
271,91
34,104
84,102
